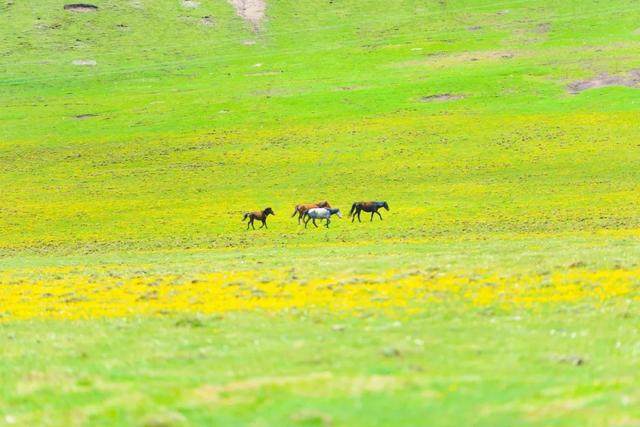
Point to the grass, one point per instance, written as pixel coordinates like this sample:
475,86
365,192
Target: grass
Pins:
445,367
500,288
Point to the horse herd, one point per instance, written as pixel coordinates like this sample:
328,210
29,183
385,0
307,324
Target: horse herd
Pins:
313,211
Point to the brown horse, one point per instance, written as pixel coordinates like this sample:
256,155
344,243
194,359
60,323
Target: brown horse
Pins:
372,207
259,215
301,209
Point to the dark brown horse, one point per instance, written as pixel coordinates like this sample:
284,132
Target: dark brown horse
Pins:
372,207
259,215
301,209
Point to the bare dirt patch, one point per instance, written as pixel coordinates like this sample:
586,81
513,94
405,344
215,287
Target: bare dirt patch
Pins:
252,11
441,97
81,7
632,79
207,21
271,92
569,359
448,59
43,26
190,4
84,62
85,116
542,28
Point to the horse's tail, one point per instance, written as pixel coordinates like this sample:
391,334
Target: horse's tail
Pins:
246,215
353,209
295,211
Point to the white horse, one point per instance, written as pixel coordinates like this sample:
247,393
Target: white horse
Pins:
320,213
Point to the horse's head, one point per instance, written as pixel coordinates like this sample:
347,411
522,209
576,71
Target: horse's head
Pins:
324,204
385,205
268,211
337,212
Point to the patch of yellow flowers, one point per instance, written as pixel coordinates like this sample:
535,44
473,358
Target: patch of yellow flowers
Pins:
64,295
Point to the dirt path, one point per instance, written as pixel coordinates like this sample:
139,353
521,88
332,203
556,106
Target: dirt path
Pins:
252,11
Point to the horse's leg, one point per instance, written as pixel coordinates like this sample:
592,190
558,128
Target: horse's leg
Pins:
306,221
264,223
371,217
248,223
359,213
314,222
300,215
353,218
328,221
378,212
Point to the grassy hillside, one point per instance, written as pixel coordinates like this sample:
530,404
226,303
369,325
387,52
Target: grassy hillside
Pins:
500,288
191,127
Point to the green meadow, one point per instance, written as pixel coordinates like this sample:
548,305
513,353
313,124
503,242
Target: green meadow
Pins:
503,134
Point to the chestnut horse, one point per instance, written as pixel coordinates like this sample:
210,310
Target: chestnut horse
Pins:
372,207
301,209
259,215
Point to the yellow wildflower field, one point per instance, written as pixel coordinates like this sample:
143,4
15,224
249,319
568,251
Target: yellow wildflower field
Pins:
64,295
